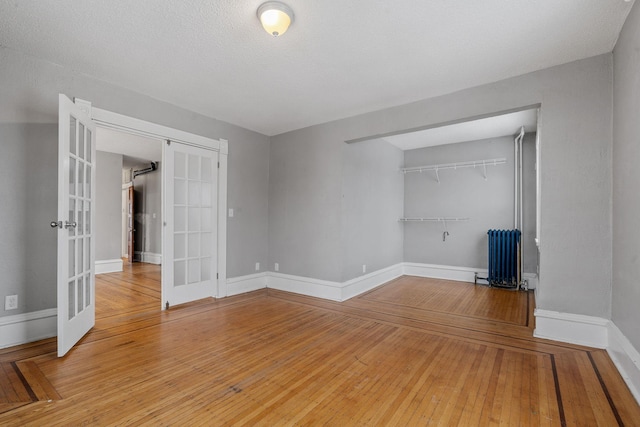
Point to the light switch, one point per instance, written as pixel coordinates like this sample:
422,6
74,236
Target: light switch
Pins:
230,212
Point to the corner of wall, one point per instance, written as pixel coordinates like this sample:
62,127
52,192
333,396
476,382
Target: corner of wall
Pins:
243,284
626,358
593,332
571,328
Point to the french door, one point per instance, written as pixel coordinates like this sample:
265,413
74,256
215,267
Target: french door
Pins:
190,239
75,224
194,204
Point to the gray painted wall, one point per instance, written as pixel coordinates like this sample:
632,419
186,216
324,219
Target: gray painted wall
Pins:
148,216
29,91
305,187
464,193
28,190
626,176
576,132
372,195
247,240
108,206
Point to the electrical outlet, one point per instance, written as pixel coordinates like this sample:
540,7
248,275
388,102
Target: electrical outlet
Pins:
11,302
276,266
364,268
230,212
257,266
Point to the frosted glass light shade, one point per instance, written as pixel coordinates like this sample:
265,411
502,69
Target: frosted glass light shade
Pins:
275,17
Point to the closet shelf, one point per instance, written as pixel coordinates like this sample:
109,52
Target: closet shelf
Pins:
470,164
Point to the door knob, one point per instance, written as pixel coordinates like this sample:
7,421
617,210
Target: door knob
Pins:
67,224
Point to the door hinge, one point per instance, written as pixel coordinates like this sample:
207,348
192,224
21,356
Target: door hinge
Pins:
167,306
168,142
216,276
218,165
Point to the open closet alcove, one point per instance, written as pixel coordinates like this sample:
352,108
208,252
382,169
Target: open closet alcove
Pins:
457,182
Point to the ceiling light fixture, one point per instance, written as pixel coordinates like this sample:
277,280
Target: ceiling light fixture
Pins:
275,17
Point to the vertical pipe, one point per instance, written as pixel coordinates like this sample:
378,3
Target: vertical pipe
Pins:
521,246
515,183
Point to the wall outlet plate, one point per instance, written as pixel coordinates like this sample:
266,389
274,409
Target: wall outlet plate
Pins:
257,266
11,302
276,266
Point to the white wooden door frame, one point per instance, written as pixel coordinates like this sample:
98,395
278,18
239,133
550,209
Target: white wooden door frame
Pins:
116,121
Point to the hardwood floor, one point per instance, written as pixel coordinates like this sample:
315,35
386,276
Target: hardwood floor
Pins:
412,352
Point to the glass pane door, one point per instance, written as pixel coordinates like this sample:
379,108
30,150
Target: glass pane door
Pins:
190,233
76,276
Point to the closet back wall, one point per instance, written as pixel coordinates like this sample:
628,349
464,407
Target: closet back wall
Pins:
464,193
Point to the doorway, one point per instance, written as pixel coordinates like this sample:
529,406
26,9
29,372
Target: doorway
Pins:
128,222
203,162
141,210
195,162
127,231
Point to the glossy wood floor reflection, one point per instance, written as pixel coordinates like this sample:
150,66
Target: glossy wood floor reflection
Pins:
412,352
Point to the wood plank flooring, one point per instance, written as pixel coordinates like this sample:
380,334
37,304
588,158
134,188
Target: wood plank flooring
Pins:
412,352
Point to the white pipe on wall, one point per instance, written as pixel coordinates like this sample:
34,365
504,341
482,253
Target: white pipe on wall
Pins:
517,189
515,183
517,178
521,270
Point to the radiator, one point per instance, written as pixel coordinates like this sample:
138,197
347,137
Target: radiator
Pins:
504,253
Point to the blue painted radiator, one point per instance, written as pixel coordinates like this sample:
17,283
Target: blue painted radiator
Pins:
503,257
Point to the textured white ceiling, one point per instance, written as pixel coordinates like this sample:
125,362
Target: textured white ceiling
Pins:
472,130
340,58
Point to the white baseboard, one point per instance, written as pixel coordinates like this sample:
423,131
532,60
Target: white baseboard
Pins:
446,272
362,284
571,328
626,358
27,327
248,283
149,257
152,258
342,291
452,272
108,266
335,291
305,286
